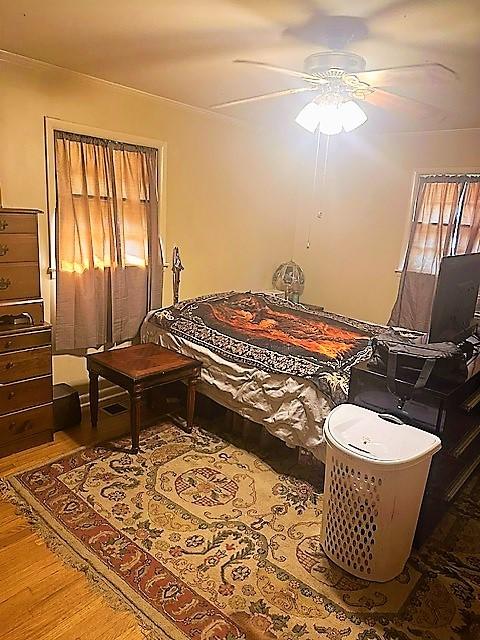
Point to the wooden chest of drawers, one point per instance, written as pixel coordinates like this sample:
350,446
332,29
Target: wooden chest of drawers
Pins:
26,417
19,271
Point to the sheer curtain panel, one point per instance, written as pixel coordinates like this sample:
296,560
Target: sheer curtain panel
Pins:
109,266
446,222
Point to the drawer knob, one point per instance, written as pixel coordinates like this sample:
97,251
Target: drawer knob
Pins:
3,249
5,283
3,225
11,395
8,344
9,365
25,426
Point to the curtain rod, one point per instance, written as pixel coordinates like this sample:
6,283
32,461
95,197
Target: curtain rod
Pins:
450,177
116,144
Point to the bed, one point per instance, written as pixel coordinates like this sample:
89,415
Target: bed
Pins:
280,364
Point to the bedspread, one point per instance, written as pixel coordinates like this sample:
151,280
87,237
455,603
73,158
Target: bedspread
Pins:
279,364
274,335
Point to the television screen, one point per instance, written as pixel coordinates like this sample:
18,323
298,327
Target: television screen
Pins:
455,298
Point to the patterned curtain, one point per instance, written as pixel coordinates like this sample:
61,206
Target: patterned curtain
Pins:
446,221
109,266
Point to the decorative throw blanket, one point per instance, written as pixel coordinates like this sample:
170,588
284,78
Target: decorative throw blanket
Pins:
274,335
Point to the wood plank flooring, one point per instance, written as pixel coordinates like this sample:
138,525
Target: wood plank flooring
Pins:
40,597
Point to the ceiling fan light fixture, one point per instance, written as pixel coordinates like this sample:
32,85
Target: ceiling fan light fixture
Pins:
330,119
309,116
352,115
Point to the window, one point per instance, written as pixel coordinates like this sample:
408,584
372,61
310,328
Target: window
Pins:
108,258
452,201
445,222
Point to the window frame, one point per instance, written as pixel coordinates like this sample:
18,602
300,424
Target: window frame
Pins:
410,213
54,124
421,173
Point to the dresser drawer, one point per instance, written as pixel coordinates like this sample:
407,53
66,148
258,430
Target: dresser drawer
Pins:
19,365
19,280
34,308
25,394
20,424
18,247
18,223
24,340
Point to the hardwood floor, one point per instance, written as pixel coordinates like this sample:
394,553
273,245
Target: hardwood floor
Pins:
40,597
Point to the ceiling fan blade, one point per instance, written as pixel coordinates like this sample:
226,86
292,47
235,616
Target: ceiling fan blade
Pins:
407,106
263,96
272,67
391,76
391,9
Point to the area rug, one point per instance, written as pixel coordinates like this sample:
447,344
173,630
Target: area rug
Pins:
203,540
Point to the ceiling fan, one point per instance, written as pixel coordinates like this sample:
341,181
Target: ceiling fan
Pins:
338,81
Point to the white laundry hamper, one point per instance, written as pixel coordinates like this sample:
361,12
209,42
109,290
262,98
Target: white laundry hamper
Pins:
376,470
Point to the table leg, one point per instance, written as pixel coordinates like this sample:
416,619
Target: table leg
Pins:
135,407
191,403
93,396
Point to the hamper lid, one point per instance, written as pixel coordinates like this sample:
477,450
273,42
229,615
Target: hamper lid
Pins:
382,438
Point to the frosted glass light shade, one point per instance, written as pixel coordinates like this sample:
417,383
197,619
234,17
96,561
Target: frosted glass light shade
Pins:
309,117
352,115
330,120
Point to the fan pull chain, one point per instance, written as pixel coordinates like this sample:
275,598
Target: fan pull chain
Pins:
318,214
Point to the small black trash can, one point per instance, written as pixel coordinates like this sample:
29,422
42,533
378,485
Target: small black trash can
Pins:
66,407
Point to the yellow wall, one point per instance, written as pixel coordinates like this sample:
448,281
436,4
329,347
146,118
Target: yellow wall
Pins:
228,199
237,203
357,244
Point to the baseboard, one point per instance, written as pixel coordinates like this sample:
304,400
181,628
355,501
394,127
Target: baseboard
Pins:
106,392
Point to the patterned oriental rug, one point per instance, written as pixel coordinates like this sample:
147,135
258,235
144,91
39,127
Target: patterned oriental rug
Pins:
203,540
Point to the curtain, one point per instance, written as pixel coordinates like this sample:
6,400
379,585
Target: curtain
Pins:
469,227
430,240
109,265
446,221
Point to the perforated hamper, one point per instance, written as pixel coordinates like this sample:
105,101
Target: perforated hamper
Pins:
376,470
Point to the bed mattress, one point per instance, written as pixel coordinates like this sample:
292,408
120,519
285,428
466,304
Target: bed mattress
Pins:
277,363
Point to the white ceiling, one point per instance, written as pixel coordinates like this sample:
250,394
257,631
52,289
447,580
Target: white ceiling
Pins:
183,49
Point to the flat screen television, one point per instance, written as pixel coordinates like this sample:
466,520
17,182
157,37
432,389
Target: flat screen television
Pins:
455,299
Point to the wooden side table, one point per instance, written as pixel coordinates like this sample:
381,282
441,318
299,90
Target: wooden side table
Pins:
137,369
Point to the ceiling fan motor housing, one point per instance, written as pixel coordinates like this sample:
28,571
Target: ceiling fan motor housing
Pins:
319,63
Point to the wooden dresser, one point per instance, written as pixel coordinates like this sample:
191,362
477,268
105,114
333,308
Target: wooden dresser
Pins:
25,339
